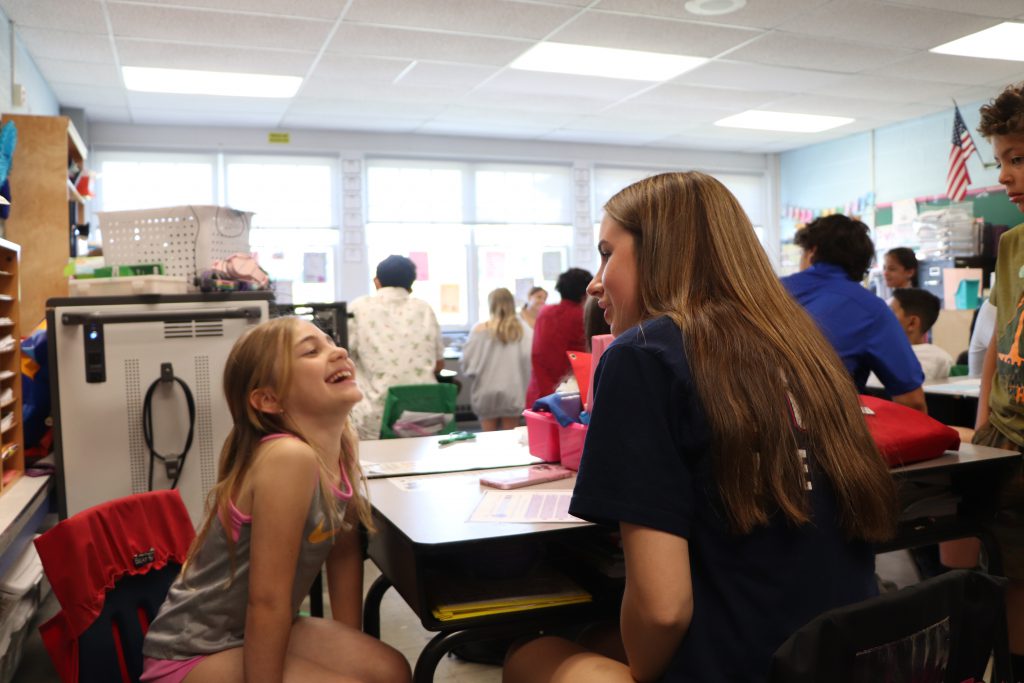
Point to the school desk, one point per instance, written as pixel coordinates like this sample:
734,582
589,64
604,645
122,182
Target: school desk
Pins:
952,401
424,530
953,496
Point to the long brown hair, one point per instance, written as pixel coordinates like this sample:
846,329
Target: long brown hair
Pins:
262,358
504,323
753,352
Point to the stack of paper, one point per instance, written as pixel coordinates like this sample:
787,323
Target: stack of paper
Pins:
462,598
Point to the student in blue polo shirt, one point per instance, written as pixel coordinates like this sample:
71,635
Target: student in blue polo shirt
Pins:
837,253
726,445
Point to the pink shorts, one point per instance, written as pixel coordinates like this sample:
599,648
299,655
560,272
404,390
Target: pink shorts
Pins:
167,670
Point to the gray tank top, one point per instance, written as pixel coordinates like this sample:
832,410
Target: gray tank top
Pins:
204,614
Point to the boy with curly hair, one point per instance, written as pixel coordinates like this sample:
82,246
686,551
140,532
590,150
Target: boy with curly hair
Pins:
1000,421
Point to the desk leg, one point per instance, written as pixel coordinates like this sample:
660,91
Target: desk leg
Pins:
371,606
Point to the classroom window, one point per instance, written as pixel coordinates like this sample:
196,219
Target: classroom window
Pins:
294,200
470,227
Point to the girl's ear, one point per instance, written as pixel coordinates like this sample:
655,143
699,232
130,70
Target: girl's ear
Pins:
265,401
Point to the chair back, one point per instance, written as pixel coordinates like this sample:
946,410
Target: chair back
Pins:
111,567
940,630
426,398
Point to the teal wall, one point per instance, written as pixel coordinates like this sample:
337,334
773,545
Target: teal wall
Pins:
901,161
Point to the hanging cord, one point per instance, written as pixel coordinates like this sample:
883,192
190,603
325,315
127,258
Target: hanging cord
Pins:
173,464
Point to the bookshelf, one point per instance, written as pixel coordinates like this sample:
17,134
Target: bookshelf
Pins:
12,439
44,206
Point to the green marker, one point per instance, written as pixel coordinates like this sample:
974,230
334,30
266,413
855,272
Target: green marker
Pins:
455,437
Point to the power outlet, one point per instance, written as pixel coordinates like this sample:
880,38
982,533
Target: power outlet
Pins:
19,96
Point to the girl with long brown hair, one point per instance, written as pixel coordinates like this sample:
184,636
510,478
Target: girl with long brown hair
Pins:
496,359
726,443
289,497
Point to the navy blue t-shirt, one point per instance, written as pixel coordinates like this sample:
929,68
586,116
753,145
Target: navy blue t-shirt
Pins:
647,461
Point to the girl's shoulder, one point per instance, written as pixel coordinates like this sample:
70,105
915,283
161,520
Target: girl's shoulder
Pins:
290,451
479,328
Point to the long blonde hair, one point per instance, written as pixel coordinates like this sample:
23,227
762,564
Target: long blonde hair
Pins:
753,352
262,358
504,323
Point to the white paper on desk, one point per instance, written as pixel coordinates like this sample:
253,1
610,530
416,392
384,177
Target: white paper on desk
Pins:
527,507
440,481
445,461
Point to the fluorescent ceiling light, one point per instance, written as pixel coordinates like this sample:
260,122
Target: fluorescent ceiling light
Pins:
1003,41
586,60
783,121
188,82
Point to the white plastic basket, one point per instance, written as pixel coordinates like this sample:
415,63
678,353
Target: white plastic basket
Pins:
185,239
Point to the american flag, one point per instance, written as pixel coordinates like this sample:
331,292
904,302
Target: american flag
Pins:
958,179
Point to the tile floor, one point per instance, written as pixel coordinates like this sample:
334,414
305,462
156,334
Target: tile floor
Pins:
401,629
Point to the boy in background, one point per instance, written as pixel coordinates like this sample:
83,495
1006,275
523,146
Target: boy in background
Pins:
917,310
1000,421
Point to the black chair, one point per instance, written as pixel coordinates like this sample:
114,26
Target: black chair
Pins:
943,629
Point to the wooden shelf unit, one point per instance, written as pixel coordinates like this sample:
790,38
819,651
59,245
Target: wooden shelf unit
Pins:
43,206
13,466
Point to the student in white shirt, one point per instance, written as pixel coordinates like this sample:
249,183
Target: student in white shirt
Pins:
917,310
394,339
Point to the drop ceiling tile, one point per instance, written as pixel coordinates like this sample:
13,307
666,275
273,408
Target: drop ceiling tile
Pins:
883,88
455,75
383,92
748,76
333,67
428,45
1004,9
152,53
671,94
66,45
642,112
609,124
77,95
760,14
315,107
373,124
488,17
537,83
497,116
61,15
789,49
484,130
201,27
635,138
607,29
81,73
98,114
517,102
221,106
181,117
885,24
830,105
314,9
928,66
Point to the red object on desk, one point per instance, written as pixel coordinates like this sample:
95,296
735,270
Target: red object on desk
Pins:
905,435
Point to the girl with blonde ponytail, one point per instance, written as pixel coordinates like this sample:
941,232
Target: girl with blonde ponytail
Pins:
496,359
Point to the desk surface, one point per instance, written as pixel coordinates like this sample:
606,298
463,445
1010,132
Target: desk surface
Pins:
488,450
968,387
969,455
